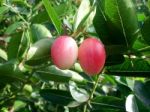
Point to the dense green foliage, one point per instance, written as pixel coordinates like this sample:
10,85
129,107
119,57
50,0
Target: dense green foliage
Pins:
30,82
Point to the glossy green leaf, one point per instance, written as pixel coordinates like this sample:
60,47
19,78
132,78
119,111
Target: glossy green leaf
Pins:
109,102
142,92
141,106
79,94
146,31
58,97
131,105
53,15
134,67
53,73
39,31
113,22
12,28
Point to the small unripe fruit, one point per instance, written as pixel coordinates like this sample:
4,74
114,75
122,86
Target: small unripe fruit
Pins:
92,56
64,52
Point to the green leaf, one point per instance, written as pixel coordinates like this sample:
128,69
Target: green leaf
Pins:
142,92
53,73
114,60
3,10
131,105
41,17
131,67
79,94
13,46
115,49
146,31
24,45
53,15
109,102
141,106
18,105
113,22
10,72
39,52
3,54
58,97
12,28
108,110
39,31
84,16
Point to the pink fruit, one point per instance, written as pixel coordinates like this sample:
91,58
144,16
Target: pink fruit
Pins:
92,56
64,52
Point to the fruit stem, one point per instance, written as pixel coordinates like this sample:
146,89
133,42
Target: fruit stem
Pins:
92,93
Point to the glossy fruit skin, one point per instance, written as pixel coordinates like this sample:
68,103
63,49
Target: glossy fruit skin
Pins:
92,56
64,52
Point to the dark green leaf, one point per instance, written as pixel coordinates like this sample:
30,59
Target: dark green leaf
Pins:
146,31
114,60
113,22
9,72
13,46
57,97
108,110
109,102
134,67
142,92
53,15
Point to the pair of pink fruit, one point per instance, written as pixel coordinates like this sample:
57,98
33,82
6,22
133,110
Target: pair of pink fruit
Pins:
91,54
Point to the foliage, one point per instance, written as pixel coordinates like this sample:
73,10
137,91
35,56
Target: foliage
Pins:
30,82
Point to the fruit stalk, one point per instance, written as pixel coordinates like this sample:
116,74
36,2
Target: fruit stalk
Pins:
92,93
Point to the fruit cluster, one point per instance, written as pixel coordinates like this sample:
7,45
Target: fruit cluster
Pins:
91,54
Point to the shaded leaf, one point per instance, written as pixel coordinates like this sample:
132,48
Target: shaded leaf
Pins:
134,67
9,72
13,46
146,31
12,28
58,97
109,102
142,92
